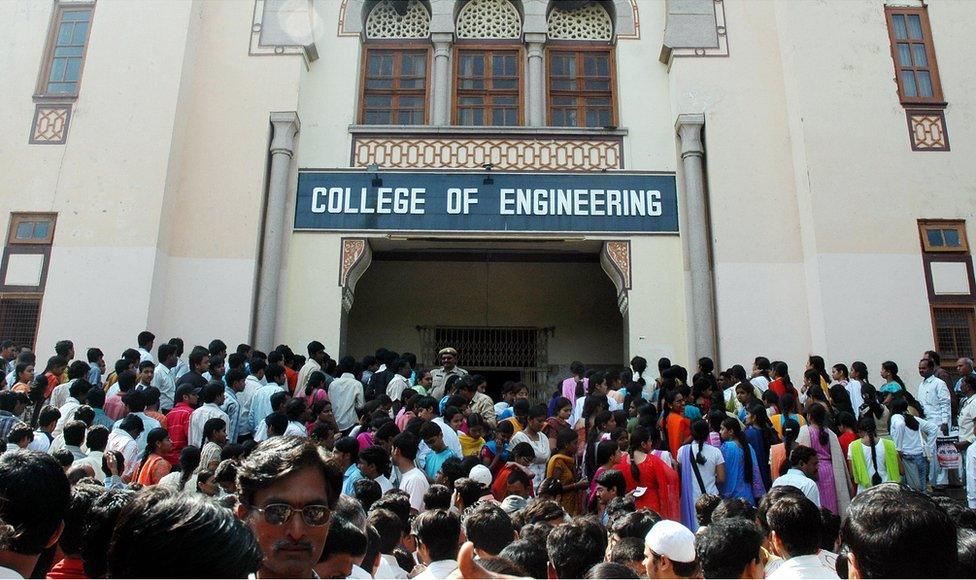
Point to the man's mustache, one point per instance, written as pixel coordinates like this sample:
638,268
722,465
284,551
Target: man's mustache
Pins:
288,545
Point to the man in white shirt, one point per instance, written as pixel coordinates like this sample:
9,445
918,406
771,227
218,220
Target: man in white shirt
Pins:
136,403
412,480
400,381
346,394
438,534
316,358
123,439
96,440
164,377
803,461
794,524
145,340
76,398
261,401
933,394
297,412
212,397
251,386
390,529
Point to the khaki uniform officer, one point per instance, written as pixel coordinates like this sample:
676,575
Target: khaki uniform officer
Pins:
439,375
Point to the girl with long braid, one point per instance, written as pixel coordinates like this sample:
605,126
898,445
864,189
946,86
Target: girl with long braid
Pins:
641,469
761,435
741,467
702,472
832,477
779,454
872,461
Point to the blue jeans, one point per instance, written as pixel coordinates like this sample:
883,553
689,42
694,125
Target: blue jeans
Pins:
917,467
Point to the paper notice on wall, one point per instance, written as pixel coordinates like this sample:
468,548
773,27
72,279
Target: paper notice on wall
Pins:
949,457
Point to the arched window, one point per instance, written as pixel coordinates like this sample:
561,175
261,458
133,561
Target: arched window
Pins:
581,67
488,76
396,61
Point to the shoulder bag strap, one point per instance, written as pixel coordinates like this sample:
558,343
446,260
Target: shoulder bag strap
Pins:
694,467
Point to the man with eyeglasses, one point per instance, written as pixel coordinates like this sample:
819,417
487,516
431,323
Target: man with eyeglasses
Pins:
287,492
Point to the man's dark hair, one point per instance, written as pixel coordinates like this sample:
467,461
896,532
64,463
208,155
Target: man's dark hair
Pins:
528,555
234,375
48,415
277,421
575,547
440,532
377,457
610,570
97,438
132,423
278,400
489,528
82,498
964,516
78,369
79,388
430,429
344,538
63,347
347,445
95,398
887,523
367,492
145,338
733,507
161,522
85,414
258,365
74,433
469,491
726,547
796,521
314,348
967,553
211,391
94,354
627,550
34,499
635,525
274,371
542,511
518,476
437,496
389,526
280,457
99,525
164,351
397,504
294,409
408,444
136,401
216,346
18,432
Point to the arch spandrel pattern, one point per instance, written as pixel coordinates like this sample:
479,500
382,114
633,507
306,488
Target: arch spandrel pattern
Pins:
489,19
589,22
385,22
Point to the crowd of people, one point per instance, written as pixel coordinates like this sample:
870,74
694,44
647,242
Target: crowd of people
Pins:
283,465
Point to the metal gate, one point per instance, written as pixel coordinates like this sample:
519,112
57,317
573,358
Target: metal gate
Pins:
494,348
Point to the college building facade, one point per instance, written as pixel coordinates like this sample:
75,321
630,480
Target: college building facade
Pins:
530,181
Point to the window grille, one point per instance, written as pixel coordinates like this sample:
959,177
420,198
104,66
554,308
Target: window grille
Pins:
954,332
589,22
385,22
18,319
489,19
494,348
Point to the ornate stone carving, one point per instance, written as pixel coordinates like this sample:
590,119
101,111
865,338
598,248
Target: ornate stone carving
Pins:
489,19
615,260
50,124
927,129
355,259
502,153
589,22
385,22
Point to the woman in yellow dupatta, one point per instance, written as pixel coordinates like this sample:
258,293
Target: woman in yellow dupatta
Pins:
562,466
473,440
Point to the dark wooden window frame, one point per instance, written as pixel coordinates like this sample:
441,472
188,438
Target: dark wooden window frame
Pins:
395,45
949,365
35,296
17,218
487,46
578,47
958,225
48,58
937,99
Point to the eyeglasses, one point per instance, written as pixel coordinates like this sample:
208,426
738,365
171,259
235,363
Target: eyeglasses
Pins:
278,514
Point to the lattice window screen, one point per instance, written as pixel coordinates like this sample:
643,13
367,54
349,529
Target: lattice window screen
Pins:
590,22
385,22
954,332
489,19
18,319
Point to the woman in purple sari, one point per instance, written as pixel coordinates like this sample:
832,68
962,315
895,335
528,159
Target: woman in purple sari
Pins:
832,474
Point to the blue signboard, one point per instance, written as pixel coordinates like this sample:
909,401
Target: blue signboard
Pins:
487,202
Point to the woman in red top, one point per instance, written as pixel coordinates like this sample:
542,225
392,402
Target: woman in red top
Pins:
848,430
641,469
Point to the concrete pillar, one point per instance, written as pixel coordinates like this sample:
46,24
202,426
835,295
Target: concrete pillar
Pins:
536,83
441,112
285,127
689,128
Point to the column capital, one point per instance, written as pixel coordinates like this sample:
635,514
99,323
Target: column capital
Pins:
535,37
441,38
535,44
689,127
285,126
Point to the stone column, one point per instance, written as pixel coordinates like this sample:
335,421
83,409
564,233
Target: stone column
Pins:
536,83
285,127
441,110
696,230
